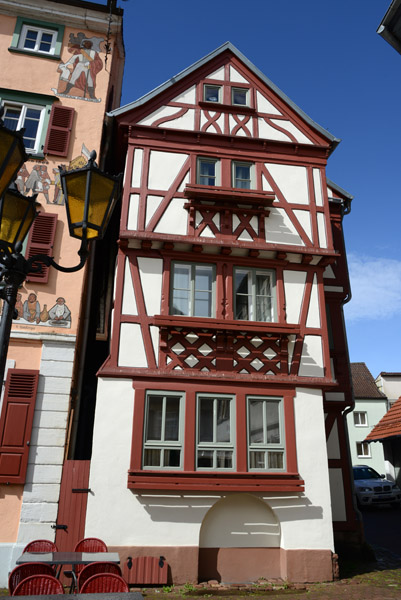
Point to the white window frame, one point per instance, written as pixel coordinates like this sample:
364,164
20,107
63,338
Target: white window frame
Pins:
266,447
215,446
239,163
360,418
40,30
163,444
192,291
252,296
217,170
24,108
241,89
219,89
361,447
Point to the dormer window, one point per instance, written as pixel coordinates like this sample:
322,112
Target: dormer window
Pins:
212,93
240,96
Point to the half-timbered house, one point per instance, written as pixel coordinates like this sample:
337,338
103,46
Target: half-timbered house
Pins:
228,367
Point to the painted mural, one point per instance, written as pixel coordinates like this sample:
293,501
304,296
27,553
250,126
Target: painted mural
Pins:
78,74
29,311
34,178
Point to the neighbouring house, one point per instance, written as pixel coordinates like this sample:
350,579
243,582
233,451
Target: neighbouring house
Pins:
62,70
219,438
370,407
388,432
390,385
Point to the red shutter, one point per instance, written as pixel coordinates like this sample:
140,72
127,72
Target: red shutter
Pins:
59,132
16,424
40,241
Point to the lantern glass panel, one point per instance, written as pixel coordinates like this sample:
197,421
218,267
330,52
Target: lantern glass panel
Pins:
8,140
100,194
17,215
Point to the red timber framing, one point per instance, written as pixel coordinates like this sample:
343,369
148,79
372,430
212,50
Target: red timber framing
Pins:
238,479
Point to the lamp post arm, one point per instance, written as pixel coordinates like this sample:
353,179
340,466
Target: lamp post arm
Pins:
32,266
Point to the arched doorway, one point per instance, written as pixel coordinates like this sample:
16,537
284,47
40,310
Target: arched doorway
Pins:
239,541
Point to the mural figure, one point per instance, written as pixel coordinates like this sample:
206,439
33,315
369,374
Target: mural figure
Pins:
22,175
60,311
19,307
58,197
31,311
79,72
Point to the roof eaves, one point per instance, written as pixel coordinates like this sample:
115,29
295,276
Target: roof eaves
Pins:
389,28
227,46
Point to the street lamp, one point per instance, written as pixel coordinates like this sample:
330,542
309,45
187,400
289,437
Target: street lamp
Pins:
90,196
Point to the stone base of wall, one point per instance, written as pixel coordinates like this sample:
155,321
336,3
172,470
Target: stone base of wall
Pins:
190,564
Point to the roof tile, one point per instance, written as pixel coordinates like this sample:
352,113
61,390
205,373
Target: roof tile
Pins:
389,425
363,383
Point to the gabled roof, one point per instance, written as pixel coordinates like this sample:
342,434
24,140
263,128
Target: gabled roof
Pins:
224,47
390,27
389,426
363,383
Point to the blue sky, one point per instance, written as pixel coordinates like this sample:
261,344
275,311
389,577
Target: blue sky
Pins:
327,57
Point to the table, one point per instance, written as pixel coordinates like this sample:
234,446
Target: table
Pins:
68,558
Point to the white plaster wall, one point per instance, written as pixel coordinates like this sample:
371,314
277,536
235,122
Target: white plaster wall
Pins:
303,217
390,386
133,209
131,350
311,364
294,287
311,512
317,182
174,219
236,76
164,168
333,444
41,490
129,306
265,106
187,97
313,318
292,181
321,226
280,230
137,167
291,128
151,272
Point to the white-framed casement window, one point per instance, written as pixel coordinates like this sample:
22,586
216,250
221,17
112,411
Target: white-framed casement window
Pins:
243,175
363,450
215,432
240,96
31,117
163,430
360,418
254,294
208,171
192,289
37,39
266,444
212,93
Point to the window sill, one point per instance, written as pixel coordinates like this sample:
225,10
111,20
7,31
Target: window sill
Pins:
240,195
37,54
223,324
215,482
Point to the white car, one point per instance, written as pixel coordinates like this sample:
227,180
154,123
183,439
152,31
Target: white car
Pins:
372,488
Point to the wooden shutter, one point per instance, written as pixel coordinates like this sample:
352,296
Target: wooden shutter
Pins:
40,241
59,132
16,424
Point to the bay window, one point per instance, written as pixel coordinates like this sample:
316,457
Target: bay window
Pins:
254,294
265,434
162,431
215,446
192,289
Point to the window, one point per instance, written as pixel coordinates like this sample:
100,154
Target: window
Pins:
215,445
37,37
240,96
208,171
254,295
363,450
243,175
162,435
192,289
212,93
37,40
265,435
361,419
27,116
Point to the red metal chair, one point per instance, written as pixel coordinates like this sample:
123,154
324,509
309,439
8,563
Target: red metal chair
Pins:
104,583
39,585
96,568
89,545
21,572
41,546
